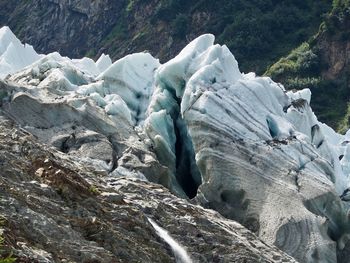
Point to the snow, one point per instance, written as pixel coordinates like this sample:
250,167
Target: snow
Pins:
15,56
279,128
6,38
132,78
117,106
199,53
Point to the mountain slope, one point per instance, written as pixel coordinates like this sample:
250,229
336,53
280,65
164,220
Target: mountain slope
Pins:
257,31
322,65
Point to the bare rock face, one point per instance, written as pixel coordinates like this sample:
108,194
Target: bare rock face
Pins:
56,210
71,18
80,27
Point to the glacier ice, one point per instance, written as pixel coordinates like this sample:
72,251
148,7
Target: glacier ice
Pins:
13,54
87,65
132,78
238,143
103,62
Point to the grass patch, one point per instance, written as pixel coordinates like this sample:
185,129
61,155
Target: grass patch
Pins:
94,190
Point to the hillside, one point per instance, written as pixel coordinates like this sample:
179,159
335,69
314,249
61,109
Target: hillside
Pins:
258,32
323,65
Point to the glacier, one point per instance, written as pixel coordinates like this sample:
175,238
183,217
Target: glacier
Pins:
233,142
13,54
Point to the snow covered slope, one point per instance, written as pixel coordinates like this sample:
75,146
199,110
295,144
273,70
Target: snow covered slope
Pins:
238,143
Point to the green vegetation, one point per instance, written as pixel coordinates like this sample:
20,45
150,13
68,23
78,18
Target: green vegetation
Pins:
343,125
301,69
91,53
334,22
4,258
142,34
340,5
308,65
257,31
118,32
167,10
130,5
94,190
301,60
180,26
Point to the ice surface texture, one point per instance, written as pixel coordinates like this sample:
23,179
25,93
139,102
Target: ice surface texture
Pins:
238,143
13,54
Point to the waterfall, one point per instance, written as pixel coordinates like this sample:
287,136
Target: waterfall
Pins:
181,255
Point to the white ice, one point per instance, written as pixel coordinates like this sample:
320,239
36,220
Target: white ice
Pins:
13,54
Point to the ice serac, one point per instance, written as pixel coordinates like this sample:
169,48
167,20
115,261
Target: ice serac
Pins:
103,62
261,153
13,54
165,107
132,79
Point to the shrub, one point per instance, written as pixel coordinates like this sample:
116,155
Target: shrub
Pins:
180,26
301,61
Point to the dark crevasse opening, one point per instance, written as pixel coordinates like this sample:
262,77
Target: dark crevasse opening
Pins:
187,172
273,128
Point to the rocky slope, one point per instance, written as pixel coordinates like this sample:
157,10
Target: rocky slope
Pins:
57,210
258,32
233,142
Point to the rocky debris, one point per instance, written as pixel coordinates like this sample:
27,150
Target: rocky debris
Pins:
57,210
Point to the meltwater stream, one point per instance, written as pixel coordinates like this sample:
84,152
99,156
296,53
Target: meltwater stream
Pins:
181,255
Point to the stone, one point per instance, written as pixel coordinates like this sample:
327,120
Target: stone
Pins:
66,222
